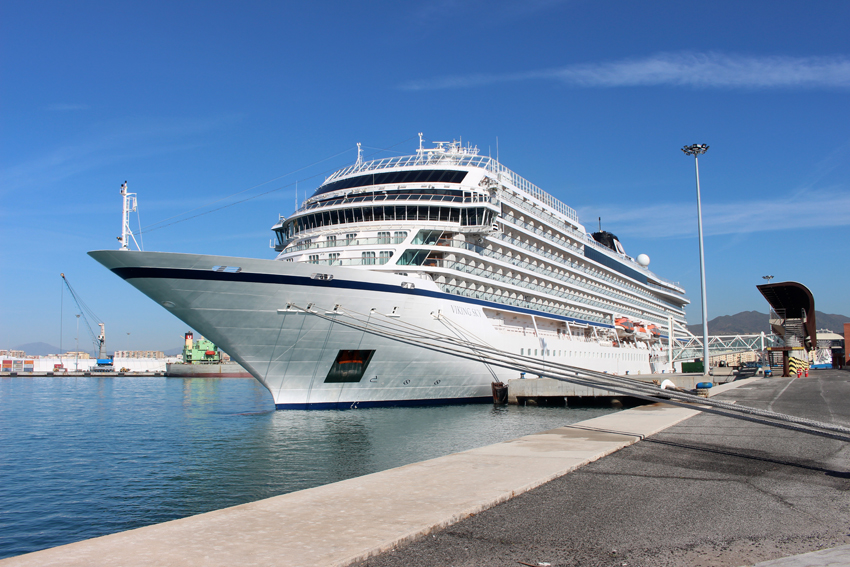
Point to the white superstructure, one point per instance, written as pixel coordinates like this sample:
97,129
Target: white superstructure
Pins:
445,240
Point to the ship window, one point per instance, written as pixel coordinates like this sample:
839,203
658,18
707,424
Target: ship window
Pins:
398,237
314,258
393,177
367,258
474,217
349,366
331,240
384,256
349,238
383,238
333,258
427,237
412,257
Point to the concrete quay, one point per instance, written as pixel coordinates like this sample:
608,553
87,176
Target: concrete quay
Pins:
551,391
706,489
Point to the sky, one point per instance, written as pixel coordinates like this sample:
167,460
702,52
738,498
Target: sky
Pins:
220,115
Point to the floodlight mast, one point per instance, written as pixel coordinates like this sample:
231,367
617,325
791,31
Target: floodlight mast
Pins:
696,150
767,279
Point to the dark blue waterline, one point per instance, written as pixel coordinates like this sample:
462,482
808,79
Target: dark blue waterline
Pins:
386,404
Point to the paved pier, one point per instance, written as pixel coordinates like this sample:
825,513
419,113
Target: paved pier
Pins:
706,488
532,388
709,491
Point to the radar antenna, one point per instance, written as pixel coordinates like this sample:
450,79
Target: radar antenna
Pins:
129,206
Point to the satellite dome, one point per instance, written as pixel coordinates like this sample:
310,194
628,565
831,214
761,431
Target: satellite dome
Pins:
643,260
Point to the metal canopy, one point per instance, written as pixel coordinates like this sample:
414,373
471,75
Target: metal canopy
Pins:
792,298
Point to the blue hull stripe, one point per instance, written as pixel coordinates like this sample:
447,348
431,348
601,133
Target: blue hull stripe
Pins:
385,404
279,279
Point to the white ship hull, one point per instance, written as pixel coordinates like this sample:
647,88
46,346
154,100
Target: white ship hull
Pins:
257,315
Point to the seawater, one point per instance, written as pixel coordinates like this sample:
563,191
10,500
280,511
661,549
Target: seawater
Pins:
86,457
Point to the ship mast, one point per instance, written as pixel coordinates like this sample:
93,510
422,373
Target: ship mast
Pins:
129,206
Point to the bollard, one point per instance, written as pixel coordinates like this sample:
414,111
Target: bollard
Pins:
500,393
807,372
799,372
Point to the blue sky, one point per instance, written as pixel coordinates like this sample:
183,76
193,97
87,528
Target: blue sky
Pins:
213,111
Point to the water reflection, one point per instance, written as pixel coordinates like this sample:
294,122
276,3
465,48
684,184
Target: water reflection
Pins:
83,457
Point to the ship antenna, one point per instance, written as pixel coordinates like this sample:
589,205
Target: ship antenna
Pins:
420,143
600,224
129,206
359,154
497,150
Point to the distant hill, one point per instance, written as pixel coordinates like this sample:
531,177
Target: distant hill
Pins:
38,349
753,322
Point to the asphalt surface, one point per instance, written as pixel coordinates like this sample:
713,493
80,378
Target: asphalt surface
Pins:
711,491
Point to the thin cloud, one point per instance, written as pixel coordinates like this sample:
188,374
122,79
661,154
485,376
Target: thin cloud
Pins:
806,209
107,144
695,70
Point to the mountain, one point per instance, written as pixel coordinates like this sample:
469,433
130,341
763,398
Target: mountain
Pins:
38,349
753,322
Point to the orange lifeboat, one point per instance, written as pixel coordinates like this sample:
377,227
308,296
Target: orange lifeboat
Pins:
641,332
625,328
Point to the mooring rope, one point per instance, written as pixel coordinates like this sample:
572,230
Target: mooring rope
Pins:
405,332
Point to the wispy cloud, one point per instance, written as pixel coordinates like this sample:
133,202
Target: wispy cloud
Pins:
696,70
105,144
803,209
64,107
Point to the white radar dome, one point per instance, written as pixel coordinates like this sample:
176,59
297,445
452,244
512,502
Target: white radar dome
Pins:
643,260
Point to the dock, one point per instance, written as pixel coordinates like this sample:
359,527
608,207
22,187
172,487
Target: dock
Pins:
694,484
79,374
547,391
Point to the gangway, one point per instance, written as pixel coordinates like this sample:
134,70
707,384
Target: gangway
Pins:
687,348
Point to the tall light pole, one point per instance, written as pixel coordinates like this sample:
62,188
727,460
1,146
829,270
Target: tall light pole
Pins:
768,278
769,328
695,150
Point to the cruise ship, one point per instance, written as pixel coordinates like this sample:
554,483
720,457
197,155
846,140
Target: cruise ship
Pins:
443,241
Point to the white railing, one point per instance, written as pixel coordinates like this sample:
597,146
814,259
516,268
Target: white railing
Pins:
461,160
691,347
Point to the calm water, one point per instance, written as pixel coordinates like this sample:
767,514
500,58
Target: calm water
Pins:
84,457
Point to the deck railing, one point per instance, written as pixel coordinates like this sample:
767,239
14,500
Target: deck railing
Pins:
461,160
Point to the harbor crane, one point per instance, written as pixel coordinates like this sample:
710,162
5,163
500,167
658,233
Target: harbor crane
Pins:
99,340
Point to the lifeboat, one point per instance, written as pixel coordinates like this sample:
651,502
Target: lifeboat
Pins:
654,331
641,333
625,328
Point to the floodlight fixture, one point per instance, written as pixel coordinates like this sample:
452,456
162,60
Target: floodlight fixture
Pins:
695,149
